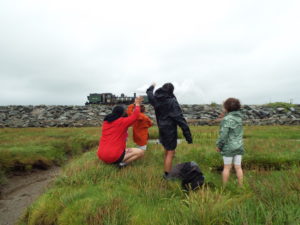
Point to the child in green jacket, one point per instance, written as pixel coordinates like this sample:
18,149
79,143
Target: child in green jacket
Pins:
230,141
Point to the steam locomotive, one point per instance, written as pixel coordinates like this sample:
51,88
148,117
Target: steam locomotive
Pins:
111,99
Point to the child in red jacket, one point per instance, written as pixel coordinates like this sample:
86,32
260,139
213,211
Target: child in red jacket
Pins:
112,147
140,127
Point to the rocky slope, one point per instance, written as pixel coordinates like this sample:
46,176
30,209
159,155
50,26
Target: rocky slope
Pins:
82,116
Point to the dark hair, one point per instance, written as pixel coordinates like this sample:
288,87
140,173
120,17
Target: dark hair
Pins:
168,87
232,104
117,112
143,108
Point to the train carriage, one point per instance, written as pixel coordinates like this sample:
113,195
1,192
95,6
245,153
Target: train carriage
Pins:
111,99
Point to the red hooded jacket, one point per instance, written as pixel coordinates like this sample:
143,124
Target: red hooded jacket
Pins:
114,134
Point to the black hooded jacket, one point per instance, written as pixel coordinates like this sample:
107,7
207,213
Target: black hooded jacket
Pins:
168,115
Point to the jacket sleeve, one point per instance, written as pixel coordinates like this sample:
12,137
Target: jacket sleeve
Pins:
223,134
176,114
148,121
150,95
180,120
130,109
145,120
128,121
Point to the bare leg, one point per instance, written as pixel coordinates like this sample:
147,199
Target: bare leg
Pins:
132,154
226,173
169,155
239,174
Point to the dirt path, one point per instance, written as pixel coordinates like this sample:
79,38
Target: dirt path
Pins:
21,191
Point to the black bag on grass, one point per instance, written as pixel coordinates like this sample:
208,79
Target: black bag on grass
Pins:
190,175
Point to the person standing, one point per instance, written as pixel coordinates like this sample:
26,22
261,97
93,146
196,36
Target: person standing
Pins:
140,127
169,116
230,142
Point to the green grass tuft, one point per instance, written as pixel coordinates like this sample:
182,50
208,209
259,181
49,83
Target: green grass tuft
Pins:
40,148
285,105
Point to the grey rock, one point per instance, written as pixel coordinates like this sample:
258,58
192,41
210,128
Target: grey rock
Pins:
280,109
2,116
247,107
62,118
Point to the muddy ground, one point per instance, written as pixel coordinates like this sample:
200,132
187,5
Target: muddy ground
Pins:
21,191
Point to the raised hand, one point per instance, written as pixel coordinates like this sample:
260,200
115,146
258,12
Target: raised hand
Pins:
138,100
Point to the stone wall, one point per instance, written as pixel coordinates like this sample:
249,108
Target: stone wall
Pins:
83,116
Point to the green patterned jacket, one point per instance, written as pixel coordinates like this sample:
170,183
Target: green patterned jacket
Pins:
230,140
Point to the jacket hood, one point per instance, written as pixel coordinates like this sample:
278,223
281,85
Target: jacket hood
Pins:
160,93
236,114
117,112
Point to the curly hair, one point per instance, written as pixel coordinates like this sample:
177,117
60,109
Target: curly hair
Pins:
232,104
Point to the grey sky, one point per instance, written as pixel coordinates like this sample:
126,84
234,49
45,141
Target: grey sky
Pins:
59,51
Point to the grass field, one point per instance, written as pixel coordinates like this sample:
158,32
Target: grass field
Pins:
40,148
90,192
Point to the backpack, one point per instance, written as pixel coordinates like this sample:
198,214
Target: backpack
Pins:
190,175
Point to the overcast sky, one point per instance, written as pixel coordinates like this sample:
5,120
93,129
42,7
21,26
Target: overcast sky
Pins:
57,52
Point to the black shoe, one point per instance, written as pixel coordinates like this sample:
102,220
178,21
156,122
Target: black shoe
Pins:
166,177
122,165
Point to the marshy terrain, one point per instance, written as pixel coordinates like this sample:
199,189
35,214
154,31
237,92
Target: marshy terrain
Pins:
89,192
